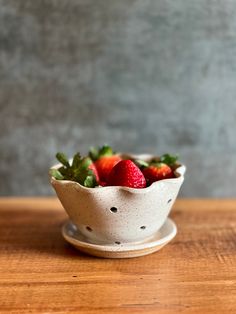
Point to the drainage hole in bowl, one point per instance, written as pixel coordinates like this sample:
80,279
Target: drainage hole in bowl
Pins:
117,242
113,209
169,201
89,229
143,227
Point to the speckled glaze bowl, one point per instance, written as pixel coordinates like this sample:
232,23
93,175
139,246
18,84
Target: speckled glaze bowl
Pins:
117,214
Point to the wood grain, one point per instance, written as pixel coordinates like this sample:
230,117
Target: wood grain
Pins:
40,273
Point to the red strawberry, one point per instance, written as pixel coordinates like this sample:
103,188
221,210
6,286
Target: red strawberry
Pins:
156,172
104,160
126,173
105,164
94,169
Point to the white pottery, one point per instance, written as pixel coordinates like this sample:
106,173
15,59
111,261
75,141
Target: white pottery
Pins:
116,214
124,250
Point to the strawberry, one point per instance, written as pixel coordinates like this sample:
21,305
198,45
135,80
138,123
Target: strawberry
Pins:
94,170
126,173
104,160
81,170
158,168
104,166
156,172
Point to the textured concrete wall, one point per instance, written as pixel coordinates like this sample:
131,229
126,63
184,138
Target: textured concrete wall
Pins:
145,76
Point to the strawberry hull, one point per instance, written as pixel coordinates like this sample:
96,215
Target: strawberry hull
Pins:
117,214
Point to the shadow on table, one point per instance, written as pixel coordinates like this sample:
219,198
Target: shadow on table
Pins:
38,231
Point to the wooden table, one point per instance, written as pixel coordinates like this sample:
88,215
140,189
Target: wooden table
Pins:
41,273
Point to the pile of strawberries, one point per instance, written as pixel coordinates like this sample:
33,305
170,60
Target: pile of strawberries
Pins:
103,167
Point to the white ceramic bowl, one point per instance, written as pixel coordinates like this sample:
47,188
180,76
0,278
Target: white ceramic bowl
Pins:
116,214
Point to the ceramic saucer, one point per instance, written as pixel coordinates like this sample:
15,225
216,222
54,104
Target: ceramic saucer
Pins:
120,250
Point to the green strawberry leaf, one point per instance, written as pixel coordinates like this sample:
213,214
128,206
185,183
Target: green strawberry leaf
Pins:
56,174
97,152
63,171
79,170
105,150
63,159
94,153
85,163
141,163
76,160
168,159
85,177
90,181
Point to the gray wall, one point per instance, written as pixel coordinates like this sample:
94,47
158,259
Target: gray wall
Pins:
145,76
